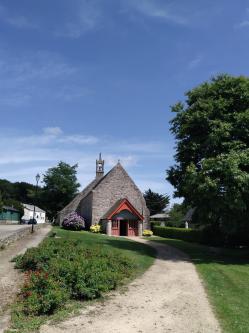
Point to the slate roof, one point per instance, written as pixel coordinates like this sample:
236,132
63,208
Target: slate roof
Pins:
10,208
160,216
31,207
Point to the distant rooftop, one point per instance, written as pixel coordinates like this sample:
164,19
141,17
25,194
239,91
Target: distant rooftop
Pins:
10,208
31,207
160,216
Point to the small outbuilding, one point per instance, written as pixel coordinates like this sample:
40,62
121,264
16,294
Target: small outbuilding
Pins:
10,215
40,214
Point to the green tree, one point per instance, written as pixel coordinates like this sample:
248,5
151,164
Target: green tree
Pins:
212,156
1,202
7,189
60,187
155,202
176,215
22,192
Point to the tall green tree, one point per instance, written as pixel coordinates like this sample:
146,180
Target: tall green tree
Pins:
1,202
212,156
18,191
22,191
176,215
60,187
156,202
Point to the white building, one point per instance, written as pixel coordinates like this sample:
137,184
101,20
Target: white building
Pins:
40,215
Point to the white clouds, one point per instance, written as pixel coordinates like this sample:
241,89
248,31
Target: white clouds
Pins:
243,24
156,9
55,131
79,139
17,21
87,17
30,77
37,152
92,15
35,66
125,160
70,93
195,62
142,147
41,145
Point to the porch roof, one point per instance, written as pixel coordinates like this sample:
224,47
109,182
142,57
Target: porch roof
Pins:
120,205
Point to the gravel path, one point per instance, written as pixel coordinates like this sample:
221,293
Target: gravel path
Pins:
8,229
169,297
10,278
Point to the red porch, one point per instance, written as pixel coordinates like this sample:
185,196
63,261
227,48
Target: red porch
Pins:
124,219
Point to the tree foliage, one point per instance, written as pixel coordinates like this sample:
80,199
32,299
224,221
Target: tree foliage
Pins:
1,202
14,194
176,215
18,191
60,187
212,155
155,202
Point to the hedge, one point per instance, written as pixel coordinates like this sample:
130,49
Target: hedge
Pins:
189,235
208,235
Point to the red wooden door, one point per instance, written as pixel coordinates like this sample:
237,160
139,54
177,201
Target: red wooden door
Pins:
115,228
132,228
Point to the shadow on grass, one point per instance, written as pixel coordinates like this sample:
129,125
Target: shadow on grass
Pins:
196,252
120,243
202,254
130,245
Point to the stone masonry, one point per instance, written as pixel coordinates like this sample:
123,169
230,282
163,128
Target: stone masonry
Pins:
103,192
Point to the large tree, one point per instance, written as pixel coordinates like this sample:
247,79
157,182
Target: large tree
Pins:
176,215
212,152
156,202
60,187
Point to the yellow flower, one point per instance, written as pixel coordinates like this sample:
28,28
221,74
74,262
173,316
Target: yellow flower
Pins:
147,233
95,228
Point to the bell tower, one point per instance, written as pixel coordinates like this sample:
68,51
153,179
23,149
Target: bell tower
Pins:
100,167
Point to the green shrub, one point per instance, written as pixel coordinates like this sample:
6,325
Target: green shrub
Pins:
155,224
41,294
189,235
61,269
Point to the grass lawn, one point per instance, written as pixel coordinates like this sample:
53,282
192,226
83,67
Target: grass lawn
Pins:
225,273
66,272
143,255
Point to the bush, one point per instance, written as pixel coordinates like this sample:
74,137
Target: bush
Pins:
179,233
147,233
208,235
73,221
41,294
95,228
155,224
61,269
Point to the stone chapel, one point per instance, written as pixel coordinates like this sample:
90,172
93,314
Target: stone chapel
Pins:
112,200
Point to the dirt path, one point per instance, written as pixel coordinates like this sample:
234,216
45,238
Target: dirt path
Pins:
169,297
10,278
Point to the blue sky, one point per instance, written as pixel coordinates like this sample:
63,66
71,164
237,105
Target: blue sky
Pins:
79,77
